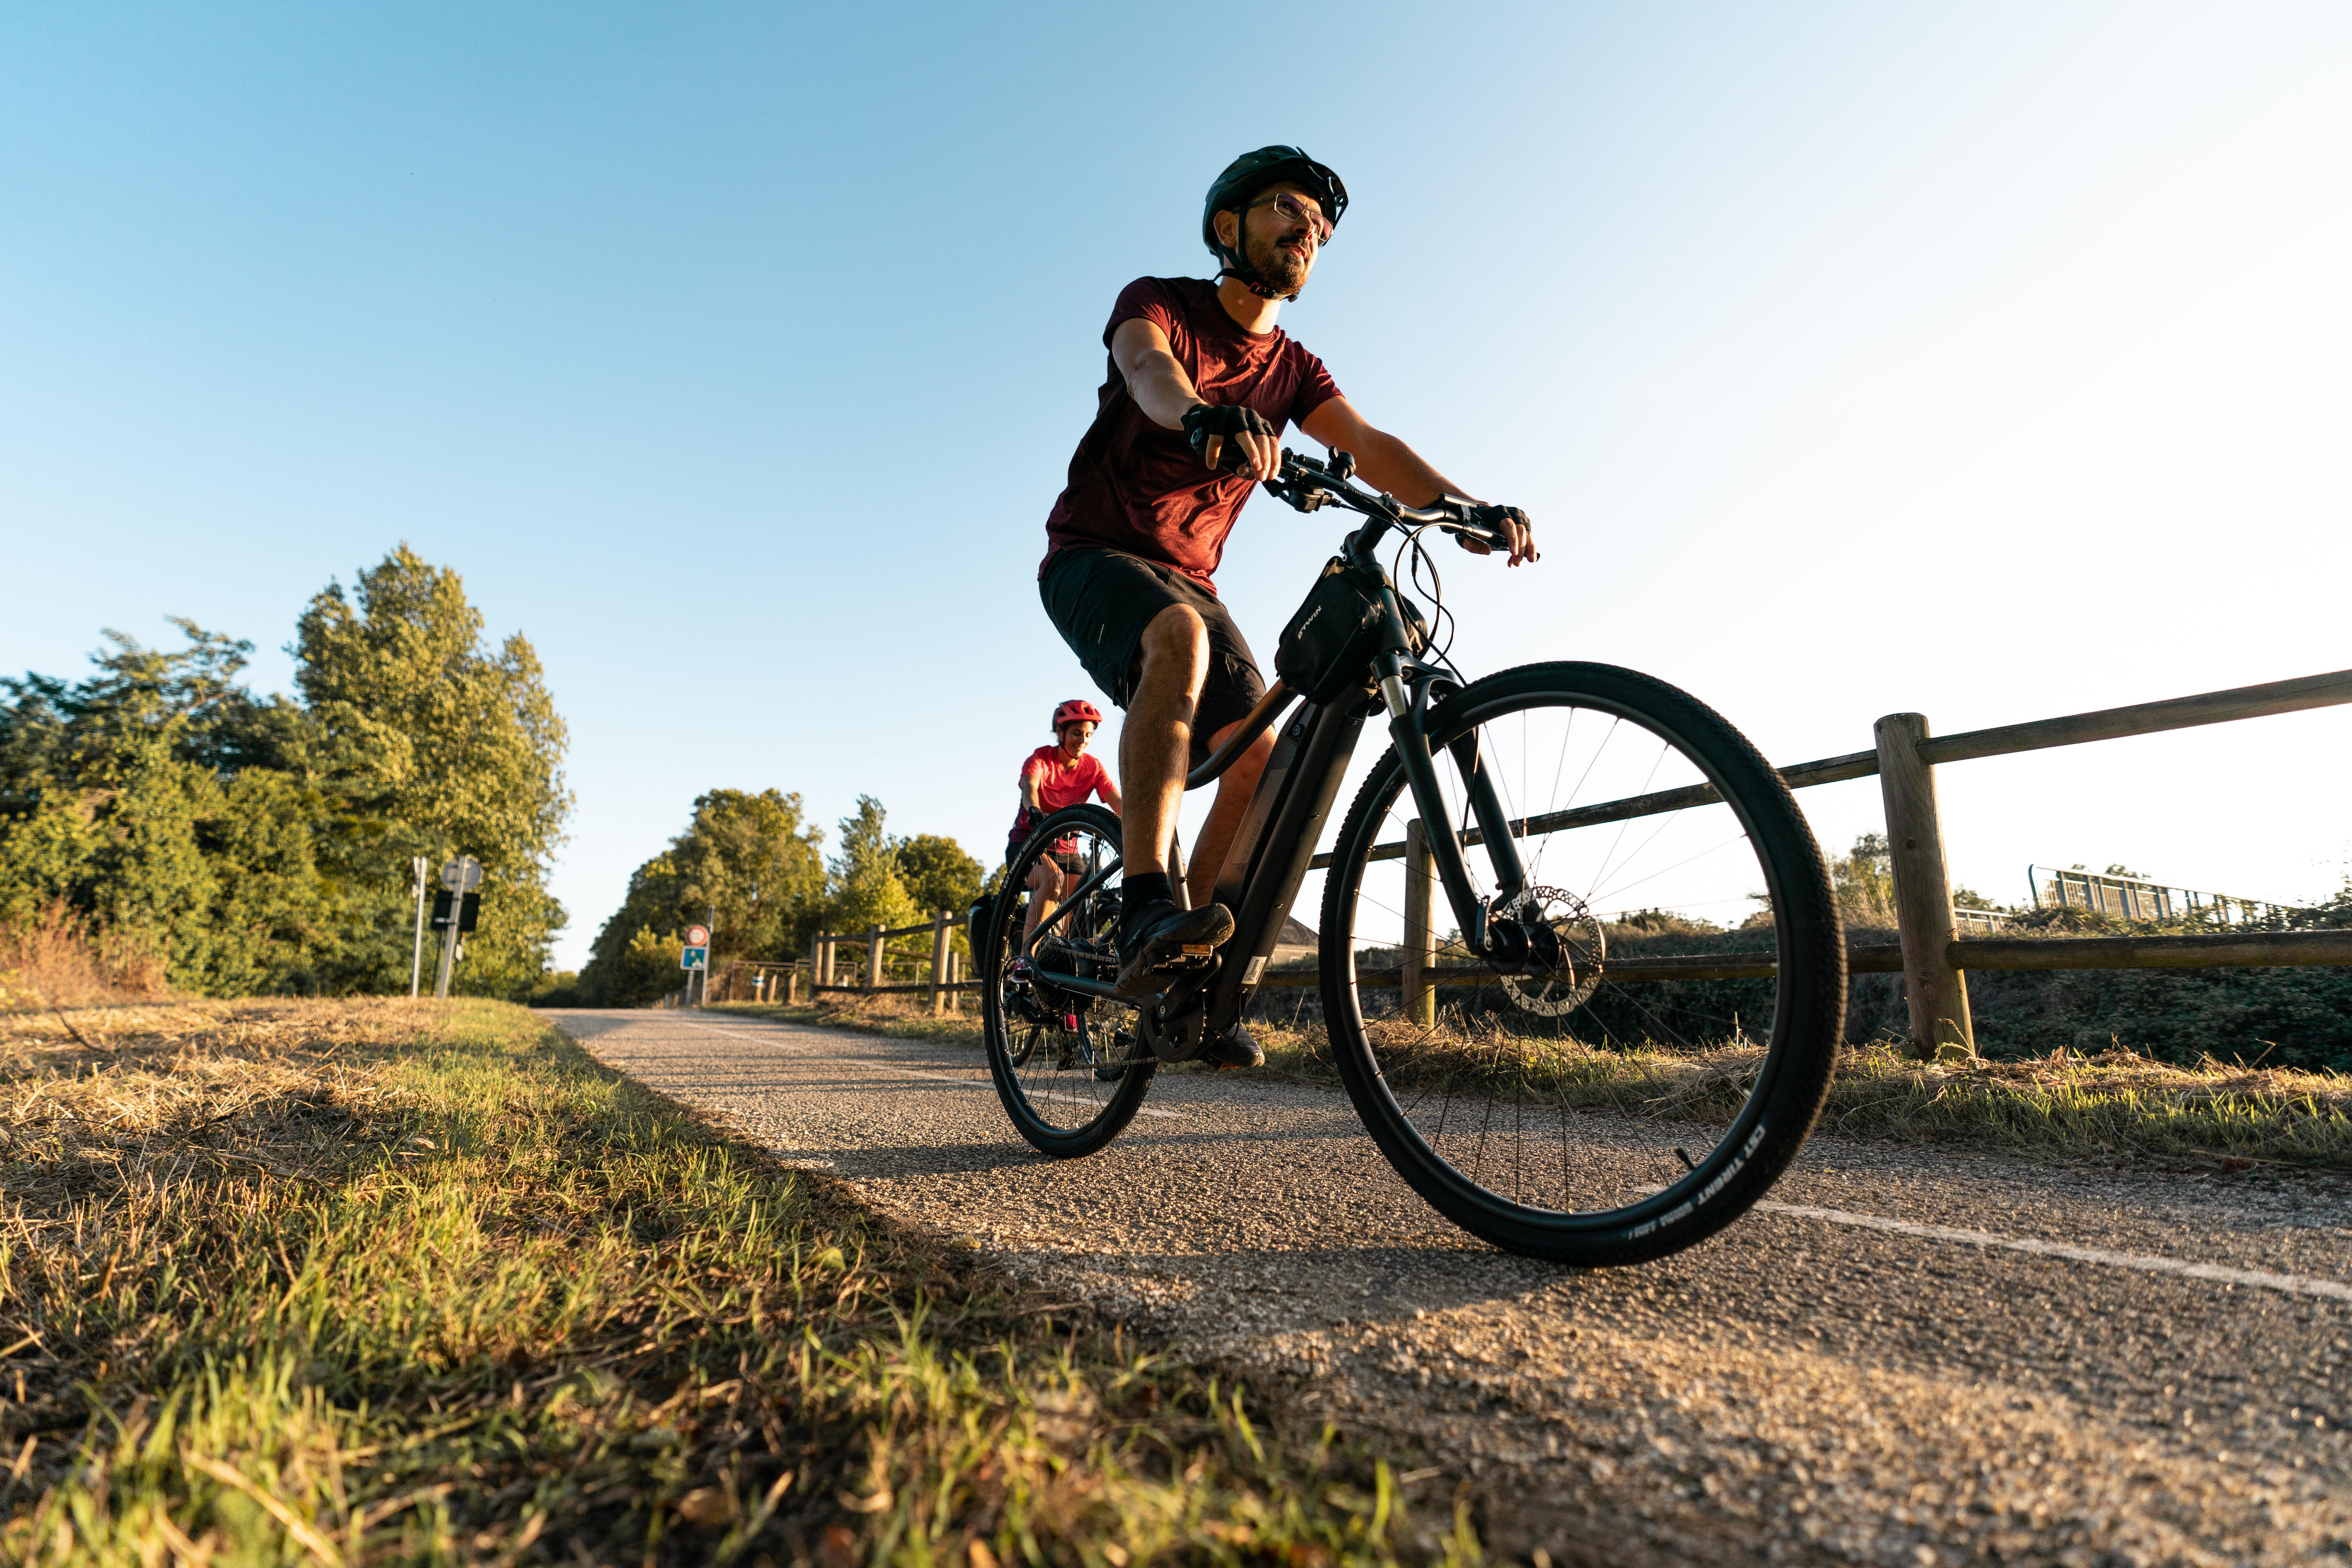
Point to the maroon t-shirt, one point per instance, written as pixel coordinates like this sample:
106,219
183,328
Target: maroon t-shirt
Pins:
1140,488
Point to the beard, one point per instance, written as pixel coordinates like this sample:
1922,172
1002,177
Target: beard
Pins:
1282,270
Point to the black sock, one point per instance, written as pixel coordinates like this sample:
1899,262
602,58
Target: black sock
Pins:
1140,889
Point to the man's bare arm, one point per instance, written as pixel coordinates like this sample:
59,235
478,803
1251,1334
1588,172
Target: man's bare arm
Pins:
1162,389
1387,464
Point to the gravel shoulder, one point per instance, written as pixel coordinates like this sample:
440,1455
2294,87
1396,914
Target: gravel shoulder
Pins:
1796,1390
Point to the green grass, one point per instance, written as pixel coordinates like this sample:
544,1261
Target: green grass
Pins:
351,1283
2065,1104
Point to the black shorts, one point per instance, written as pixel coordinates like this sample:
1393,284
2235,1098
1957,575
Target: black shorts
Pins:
1100,600
1074,864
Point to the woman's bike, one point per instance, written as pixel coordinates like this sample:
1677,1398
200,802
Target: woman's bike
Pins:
1580,968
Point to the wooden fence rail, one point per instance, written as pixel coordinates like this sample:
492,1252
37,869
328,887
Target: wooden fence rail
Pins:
2252,950
940,985
1931,958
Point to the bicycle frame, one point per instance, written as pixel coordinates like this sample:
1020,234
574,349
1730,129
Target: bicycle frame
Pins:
1276,841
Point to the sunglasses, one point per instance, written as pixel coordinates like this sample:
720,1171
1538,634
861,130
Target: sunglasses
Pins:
1291,207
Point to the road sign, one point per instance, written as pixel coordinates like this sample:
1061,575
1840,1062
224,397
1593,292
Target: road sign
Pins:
698,936
462,875
467,906
694,957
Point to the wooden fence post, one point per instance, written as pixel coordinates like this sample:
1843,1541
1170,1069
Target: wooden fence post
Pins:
874,958
1938,993
1420,939
955,975
939,961
793,985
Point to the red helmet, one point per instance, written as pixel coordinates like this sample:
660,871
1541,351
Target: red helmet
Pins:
1077,710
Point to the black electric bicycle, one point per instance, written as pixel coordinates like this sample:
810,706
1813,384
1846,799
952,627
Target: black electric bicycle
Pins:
1580,967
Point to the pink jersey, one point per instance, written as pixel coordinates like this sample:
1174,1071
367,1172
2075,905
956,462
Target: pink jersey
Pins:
1059,784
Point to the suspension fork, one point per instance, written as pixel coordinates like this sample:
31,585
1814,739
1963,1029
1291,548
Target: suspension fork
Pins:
1409,733
1487,806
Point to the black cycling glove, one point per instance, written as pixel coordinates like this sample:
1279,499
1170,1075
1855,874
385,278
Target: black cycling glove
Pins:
1204,420
1489,521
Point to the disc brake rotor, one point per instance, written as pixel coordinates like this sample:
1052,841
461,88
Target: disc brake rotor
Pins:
1583,949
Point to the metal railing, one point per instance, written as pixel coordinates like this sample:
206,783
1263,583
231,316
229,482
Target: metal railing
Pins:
2138,899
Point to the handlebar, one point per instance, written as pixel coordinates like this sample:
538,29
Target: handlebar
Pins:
1306,485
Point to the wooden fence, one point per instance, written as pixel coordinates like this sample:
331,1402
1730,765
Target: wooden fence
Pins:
939,964
1931,957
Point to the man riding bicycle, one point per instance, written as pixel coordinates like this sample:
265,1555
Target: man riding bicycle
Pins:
1200,384
1052,777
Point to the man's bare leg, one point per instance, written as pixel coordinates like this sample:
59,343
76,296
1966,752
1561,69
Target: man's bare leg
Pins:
1153,747
1155,740
1215,839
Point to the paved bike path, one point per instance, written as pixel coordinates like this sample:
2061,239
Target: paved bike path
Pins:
1910,1357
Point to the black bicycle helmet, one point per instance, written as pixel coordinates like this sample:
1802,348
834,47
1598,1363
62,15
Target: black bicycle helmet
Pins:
1243,178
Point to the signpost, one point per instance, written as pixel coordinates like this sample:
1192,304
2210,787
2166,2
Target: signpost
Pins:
416,953
460,877
696,955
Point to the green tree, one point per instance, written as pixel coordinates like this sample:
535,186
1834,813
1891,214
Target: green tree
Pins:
753,867
161,797
753,860
867,891
748,863
1863,880
937,873
433,742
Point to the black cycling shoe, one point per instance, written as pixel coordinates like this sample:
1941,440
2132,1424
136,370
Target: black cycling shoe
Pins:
1160,934
1234,1048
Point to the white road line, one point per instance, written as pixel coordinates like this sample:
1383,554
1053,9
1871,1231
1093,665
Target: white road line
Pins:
908,1072
2294,1284
767,1038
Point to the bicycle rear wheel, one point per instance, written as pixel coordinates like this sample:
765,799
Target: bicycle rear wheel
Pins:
1624,1106
1067,1066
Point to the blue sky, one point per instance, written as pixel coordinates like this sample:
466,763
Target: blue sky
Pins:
1986,361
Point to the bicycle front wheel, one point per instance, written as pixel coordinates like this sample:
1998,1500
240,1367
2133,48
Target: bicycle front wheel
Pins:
1642,1093
1067,1066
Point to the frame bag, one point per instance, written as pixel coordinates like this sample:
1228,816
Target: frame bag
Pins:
1327,648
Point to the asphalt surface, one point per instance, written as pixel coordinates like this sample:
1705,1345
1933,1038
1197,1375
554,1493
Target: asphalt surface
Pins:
1911,1356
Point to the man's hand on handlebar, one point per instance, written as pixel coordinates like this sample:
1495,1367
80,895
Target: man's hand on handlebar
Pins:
1233,437
1495,527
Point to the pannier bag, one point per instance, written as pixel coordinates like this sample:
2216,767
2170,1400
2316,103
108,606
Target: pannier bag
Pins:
1327,647
982,911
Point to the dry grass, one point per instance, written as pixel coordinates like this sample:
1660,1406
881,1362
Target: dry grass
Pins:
2066,1104
2115,1102
59,959
381,1281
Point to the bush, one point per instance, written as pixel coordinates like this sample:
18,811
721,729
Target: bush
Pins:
58,959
